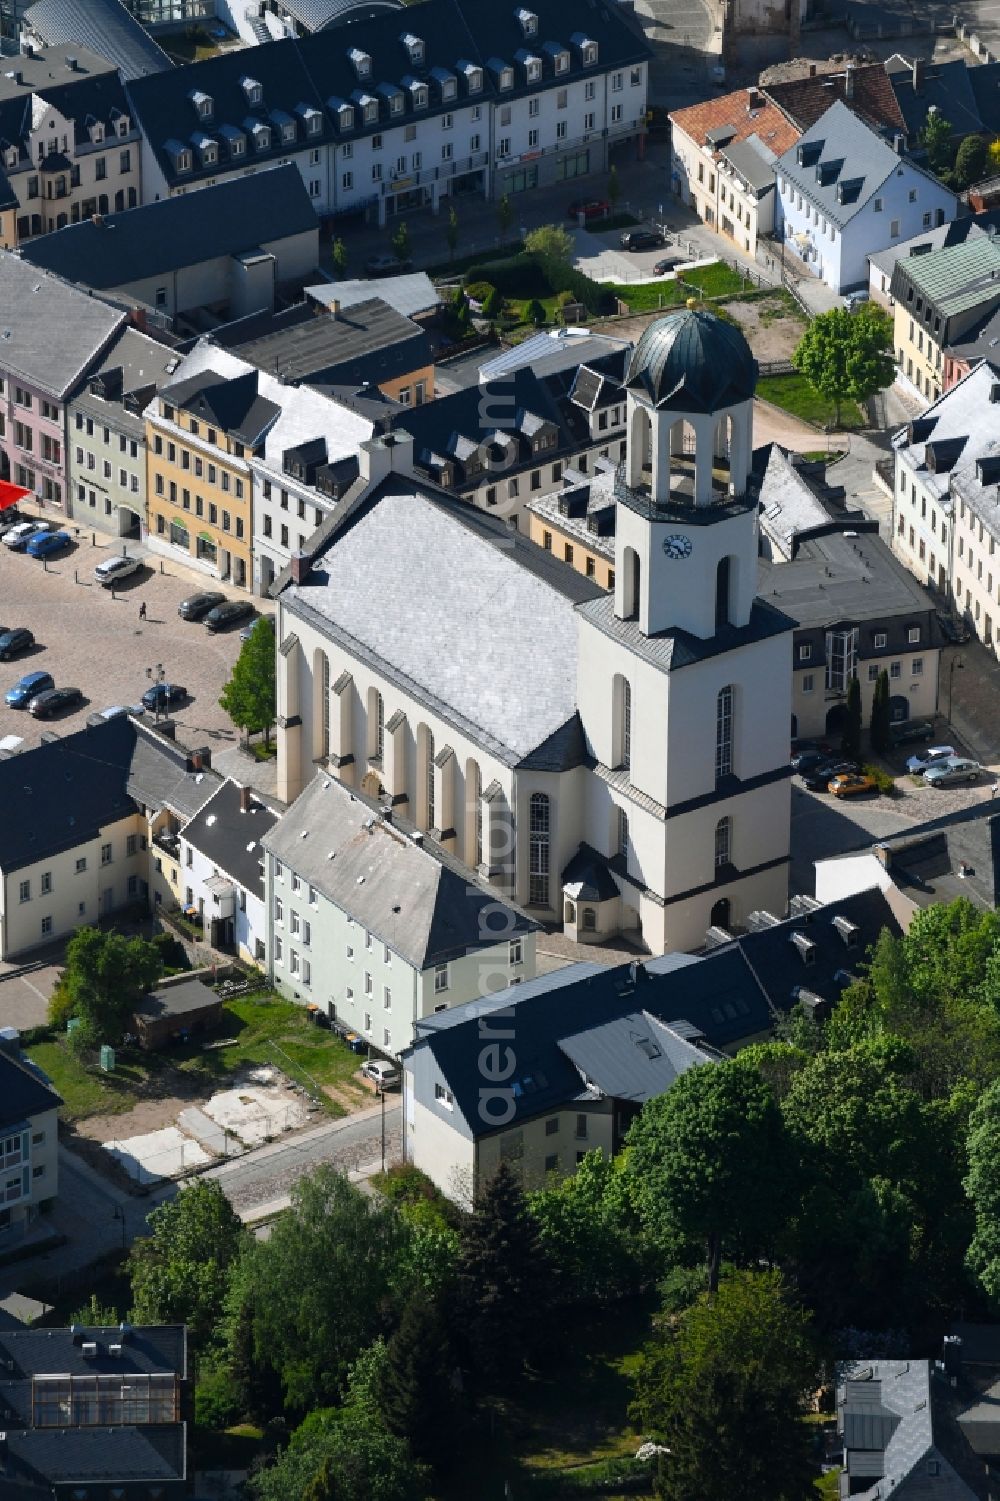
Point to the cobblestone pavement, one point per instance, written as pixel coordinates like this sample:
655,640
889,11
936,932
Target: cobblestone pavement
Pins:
94,641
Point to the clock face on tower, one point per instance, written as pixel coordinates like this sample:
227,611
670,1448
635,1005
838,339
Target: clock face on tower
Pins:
678,546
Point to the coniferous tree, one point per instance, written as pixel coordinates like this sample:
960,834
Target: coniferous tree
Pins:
880,714
417,1393
502,1279
851,742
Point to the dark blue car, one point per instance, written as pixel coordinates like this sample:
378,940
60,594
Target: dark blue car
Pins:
28,688
46,544
163,696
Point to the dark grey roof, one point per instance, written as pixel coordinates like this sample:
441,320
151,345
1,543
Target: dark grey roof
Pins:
146,1348
51,332
106,26
63,1456
840,577
314,15
24,1092
411,895
411,295
980,1343
234,404
839,164
673,649
157,238
948,857
985,83
368,341
886,1411
230,838
753,161
945,85
162,775
588,873
692,361
174,1002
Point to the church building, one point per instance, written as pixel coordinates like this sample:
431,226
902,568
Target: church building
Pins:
615,763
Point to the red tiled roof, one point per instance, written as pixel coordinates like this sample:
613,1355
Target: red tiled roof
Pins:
805,100
764,120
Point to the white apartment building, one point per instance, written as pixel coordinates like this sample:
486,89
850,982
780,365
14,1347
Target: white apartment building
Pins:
222,870
29,1143
455,96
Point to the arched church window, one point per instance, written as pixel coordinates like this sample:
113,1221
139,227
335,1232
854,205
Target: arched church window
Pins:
539,833
723,581
623,833
429,774
376,724
626,723
723,842
724,733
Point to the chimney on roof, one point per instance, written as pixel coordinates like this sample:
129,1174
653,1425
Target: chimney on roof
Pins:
194,761
848,82
754,98
335,308
883,854
244,799
73,64
301,564
918,74
97,219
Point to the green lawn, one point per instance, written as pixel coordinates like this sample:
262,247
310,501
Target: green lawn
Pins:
189,46
258,1029
794,394
716,280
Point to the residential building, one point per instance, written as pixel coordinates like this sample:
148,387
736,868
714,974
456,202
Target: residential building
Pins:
867,91
941,299
557,351
680,806
82,813
106,433
723,155
858,611
95,1412
412,295
965,352
845,193
71,145
593,1043
107,27
945,526
883,263
29,1142
202,429
942,85
577,523
891,1415
222,868
52,337
462,98
367,344
230,251
956,854
374,925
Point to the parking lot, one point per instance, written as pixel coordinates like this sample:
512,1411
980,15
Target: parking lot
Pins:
91,639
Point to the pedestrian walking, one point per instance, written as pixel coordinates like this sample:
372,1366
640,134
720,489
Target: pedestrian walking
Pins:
142,610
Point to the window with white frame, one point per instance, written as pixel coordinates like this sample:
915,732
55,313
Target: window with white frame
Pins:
724,733
723,842
440,978
515,952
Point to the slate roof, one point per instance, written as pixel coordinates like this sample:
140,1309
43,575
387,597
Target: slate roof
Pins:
61,1456
412,896
87,91
105,26
548,353
852,159
584,509
146,1348
806,100
985,83
458,647
24,1092
945,85
408,295
160,775
50,332
788,505
981,342
839,577
962,423
885,1411
235,404
673,649
368,341
314,15
954,279
925,861
177,1001
746,112
230,838
692,361
753,160
229,219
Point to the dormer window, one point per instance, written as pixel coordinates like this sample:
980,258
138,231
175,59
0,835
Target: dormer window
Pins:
97,132
208,151
528,21
311,119
179,155
235,140
369,109
204,107
253,90
587,47
506,78
417,92
394,98
558,56
473,77
10,156
531,64
446,82
397,104
344,113
123,125
260,135
562,62
414,48
360,61
288,131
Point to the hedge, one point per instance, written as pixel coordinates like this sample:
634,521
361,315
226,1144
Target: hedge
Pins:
526,276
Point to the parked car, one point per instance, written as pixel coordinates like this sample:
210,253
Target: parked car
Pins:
387,265
198,605
590,208
9,519
951,772
385,1075
909,731
248,630
668,263
163,695
933,753
114,569
854,300
953,628
808,760
851,783
54,701
27,688
641,239
19,536
14,641
47,544
117,710
820,777
228,613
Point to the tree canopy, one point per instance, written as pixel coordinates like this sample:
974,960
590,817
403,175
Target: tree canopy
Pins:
550,240
180,1271
103,979
982,1185
844,354
250,697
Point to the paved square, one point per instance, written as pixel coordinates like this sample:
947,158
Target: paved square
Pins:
90,640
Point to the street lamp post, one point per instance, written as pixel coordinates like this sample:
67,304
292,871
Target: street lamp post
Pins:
955,662
156,675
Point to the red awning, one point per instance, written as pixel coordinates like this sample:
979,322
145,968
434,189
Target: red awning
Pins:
11,494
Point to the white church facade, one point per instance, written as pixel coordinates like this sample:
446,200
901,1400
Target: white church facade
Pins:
613,763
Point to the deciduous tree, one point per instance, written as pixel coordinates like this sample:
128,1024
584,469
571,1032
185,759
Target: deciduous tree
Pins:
970,161
592,1236
401,241
180,1271
250,698
982,1185
550,240
844,354
936,140
339,257
104,978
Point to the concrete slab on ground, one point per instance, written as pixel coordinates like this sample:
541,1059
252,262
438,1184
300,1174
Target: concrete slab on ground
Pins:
262,1106
158,1154
215,1138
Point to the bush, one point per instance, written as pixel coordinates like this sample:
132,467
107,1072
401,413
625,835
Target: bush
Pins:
172,951
534,276
479,291
534,312
883,779
215,1400
493,305
608,1477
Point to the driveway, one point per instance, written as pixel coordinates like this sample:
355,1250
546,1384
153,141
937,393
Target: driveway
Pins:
87,637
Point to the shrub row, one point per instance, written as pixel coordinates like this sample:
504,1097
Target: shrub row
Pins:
526,275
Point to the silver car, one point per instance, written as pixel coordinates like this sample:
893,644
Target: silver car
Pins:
112,569
934,754
949,773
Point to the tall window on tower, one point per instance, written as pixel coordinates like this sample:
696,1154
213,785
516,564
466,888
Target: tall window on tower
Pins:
722,585
724,733
376,724
723,843
624,723
538,849
623,834
429,774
